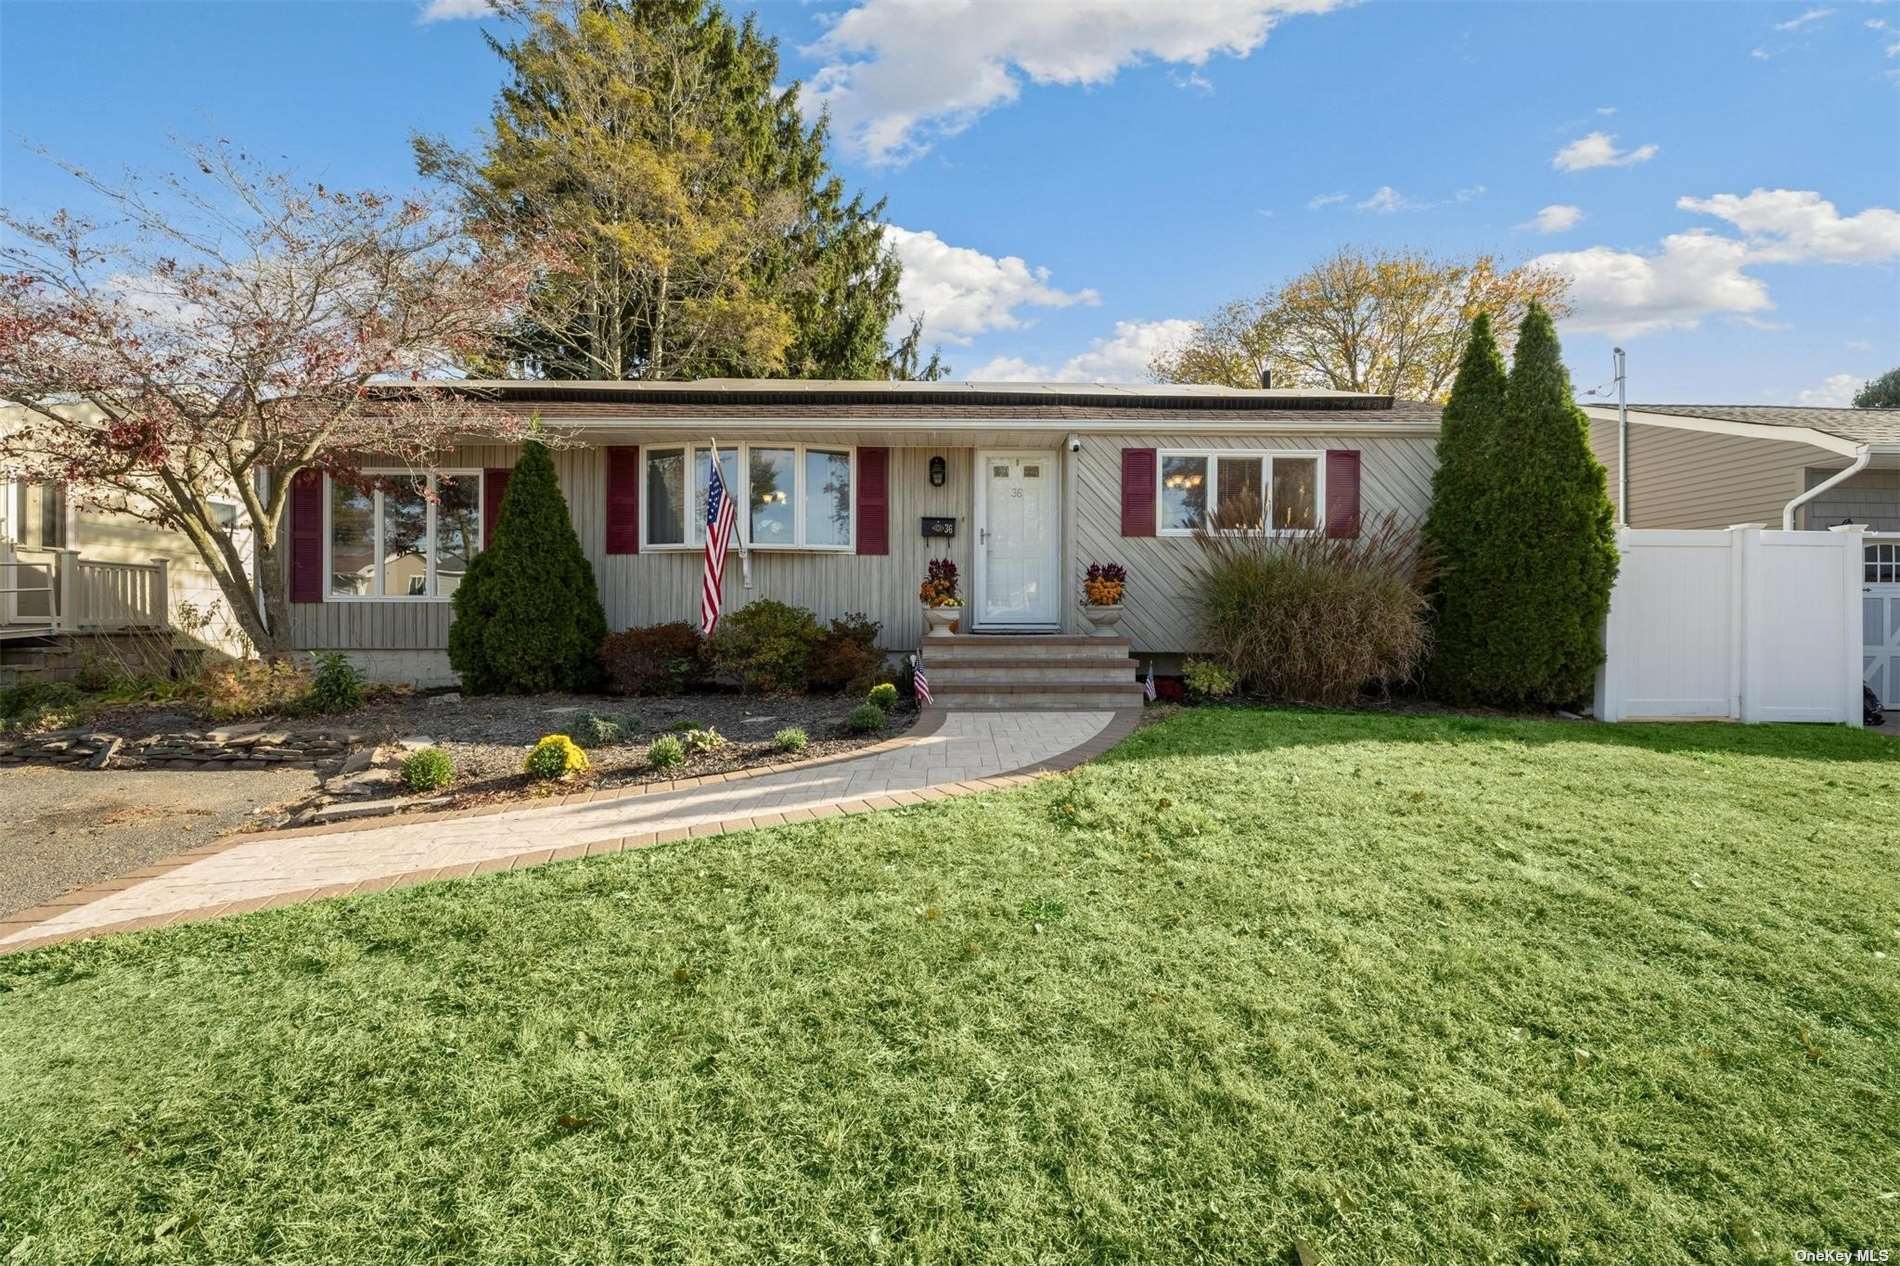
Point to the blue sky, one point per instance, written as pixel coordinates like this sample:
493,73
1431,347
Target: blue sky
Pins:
1075,181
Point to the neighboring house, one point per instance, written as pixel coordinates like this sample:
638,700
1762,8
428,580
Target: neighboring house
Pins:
846,490
1714,466
116,557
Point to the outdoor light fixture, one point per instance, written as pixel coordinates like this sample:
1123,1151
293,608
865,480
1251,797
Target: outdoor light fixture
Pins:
937,472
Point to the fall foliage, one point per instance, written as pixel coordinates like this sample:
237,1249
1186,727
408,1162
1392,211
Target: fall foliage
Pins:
1385,322
228,328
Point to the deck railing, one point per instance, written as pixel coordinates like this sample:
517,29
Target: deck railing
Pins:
57,591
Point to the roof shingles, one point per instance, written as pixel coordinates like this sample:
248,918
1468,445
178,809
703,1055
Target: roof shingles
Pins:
1862,426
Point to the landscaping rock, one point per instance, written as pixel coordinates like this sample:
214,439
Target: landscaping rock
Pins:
103,757
359,760
415,742
437,701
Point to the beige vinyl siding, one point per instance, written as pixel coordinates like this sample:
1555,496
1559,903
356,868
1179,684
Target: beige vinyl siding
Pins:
1699,479
1871,497
657,586
1395,475
108,536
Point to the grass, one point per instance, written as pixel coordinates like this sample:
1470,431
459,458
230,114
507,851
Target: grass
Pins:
1408,988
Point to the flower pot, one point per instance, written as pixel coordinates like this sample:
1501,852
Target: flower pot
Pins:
1104,619
941,621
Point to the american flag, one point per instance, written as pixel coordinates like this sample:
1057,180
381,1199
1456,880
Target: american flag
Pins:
721,516
921,682
1148,686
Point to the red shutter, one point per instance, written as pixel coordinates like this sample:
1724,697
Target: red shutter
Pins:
623,500
1342,492
306,537
874,501
1138,492
494,488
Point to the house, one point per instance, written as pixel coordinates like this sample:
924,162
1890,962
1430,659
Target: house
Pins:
846,490
1711,466
1714,466
73,574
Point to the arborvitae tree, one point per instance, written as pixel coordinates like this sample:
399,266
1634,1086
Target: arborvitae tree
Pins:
705,232
527,615
1546,556
1455,528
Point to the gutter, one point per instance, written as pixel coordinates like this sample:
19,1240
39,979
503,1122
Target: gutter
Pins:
1862,455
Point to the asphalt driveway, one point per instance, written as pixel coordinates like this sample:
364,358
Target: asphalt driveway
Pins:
63,828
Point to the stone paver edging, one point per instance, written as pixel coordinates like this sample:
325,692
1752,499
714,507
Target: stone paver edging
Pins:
258,872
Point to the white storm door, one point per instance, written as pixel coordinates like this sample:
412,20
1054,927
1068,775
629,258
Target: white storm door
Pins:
1019,545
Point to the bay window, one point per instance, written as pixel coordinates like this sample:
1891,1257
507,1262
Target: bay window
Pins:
1248,491
404,535
789,496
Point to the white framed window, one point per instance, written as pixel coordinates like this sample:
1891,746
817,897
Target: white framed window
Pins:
789,496
1280,491
409,537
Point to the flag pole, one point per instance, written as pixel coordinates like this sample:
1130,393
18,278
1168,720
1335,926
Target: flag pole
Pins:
741,523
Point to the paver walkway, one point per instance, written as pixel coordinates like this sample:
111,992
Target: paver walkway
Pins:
968,751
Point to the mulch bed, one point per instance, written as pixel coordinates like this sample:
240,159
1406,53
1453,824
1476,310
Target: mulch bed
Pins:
489,736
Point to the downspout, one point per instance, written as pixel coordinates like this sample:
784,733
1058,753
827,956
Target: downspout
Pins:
1862,456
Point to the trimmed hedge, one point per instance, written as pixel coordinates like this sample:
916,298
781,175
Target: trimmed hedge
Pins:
527,615
768,645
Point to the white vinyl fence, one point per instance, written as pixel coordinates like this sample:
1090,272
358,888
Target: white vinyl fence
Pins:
1744,624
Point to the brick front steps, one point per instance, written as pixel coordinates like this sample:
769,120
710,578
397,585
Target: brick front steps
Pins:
1029,672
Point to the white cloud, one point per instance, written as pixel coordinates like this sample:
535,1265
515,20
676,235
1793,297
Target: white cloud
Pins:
449,10
1325,200
1387,200
962,292
1598,149
1126,355
1696,274
1794,226
898,73
1606,111
1836,391
1007,369
1556,218
1859,345
1123,356
1812,15
1760,54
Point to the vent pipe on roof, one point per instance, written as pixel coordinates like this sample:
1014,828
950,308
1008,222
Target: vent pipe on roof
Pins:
1266,379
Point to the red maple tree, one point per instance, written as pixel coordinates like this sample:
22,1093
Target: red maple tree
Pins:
230,327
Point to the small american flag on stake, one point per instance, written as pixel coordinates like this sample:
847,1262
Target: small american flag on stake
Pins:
1148,686
921,682
720,519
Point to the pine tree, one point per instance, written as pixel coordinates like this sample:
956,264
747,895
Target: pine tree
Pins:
707,233
1545,555
527,615
1454,528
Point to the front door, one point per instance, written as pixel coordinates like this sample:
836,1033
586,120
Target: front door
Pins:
1018,540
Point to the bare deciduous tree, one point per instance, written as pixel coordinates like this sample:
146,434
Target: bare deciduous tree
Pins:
229,328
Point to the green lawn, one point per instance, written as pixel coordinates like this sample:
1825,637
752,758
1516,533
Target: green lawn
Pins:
1409,988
